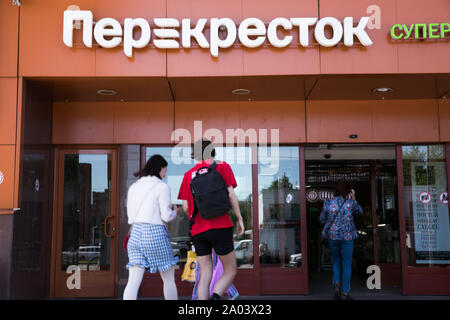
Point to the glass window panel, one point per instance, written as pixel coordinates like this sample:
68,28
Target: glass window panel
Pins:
27,243
86,204
426,210
179,161
279,206
178,164
240,161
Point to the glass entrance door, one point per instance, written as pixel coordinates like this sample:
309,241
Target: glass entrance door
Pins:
371,171
85,224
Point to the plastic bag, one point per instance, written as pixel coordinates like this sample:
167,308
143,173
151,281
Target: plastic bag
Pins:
217,273
231,292
190,267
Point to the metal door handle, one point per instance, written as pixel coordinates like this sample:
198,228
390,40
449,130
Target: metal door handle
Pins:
108,235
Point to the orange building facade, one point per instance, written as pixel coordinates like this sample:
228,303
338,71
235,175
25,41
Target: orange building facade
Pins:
375,114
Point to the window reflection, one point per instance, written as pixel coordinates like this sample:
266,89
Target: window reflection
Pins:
86,205
279,207
179,161
178,229
28,234
239,158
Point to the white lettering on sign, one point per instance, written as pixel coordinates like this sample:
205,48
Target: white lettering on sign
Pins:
108,27
272,32
319,32
165,34
251,32
129,42
303,25
2,177
252,27
214,41
187,33
350,31
71,16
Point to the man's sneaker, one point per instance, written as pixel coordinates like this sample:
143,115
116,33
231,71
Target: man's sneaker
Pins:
215,296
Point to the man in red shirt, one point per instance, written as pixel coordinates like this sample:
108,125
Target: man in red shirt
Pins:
216,233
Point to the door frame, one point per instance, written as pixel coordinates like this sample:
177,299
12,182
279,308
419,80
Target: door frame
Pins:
106,276
390,272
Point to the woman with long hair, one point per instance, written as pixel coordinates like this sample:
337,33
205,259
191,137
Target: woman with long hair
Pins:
149,210
337,215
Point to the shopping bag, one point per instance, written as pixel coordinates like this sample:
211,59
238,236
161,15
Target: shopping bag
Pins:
217,273
189,267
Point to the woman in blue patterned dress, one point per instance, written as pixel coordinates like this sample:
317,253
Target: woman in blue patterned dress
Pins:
337,215
149,210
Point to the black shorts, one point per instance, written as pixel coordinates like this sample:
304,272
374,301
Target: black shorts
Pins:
221,240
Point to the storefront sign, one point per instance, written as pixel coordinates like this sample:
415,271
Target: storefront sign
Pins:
251,32
425,197
431,218
420,31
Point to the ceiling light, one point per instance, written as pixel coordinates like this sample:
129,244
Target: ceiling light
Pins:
241,91
106,92
383,90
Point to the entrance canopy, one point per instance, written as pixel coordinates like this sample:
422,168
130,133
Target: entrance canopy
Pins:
260,88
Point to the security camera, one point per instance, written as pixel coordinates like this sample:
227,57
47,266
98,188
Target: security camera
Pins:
327,156
16,3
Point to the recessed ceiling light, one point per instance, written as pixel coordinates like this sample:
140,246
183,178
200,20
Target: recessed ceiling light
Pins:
106,92
241,91
383,90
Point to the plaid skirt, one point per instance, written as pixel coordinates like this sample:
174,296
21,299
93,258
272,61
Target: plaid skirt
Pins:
149,247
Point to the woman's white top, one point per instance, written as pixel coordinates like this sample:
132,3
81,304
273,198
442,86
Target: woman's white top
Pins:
149,201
